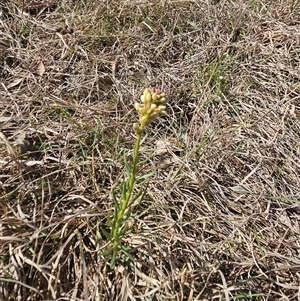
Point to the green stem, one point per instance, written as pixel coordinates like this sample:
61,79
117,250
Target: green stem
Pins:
131,181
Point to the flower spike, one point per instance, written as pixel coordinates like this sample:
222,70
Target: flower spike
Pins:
153,103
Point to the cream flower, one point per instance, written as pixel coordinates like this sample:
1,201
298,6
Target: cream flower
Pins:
153,103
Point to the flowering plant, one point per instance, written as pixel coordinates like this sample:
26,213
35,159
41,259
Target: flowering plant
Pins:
153,104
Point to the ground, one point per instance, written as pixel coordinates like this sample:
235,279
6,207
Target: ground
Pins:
220,215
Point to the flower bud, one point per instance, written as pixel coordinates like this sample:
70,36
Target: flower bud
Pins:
146,91
148,97
136,128
144,120
154,114
162,101
137,106
161,108
155,97
152,108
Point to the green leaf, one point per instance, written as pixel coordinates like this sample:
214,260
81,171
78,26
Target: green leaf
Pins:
128,167
112,263
107,251
136,196
116,203
140,194
146,176
145,161
143,139
106,233
125,250
124,190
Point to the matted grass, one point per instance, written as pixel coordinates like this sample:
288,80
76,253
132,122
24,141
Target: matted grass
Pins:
220,220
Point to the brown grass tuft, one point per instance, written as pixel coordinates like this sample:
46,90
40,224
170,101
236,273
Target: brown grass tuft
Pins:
221,216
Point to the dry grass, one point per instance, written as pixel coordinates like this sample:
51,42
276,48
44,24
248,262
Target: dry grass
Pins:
221,216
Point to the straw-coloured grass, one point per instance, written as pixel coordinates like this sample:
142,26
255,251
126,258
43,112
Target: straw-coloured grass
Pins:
220,215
